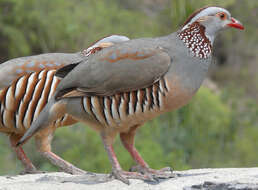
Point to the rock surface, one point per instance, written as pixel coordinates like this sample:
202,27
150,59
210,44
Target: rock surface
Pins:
205,179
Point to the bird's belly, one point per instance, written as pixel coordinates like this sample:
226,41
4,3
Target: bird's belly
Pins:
178,95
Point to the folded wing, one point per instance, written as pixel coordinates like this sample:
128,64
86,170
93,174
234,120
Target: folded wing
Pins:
115,69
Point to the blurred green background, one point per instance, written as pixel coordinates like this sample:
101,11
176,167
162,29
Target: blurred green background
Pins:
219,128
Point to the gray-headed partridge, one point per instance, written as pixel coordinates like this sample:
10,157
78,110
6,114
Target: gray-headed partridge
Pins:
118,89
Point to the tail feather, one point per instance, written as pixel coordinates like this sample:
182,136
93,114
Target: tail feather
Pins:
51,112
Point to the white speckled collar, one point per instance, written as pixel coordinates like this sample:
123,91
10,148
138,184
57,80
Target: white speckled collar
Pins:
195,39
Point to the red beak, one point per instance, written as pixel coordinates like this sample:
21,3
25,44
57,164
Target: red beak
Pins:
236,24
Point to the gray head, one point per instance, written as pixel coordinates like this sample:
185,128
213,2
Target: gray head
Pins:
104,42
113,39
213,19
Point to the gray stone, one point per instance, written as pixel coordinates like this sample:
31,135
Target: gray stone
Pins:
204,179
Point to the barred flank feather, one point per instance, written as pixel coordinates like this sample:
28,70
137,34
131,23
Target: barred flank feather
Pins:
110,109
23,100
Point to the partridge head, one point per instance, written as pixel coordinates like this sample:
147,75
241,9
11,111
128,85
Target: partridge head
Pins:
201,28
119,88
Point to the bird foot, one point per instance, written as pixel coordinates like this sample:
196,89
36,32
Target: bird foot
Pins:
31,171
163,173
124,176
75,171
62,164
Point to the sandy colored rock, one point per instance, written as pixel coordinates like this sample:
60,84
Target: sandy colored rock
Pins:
205,179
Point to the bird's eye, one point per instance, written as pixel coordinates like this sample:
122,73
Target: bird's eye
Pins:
222,16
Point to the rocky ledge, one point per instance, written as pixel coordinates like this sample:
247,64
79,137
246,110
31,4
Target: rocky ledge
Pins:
205,179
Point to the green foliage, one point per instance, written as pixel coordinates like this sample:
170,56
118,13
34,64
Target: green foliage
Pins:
45,26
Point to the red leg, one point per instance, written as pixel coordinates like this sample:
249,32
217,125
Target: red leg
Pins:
128,142
28,166
43,142
117,171
62,164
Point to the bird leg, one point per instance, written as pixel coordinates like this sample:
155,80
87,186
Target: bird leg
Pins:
29,168
117,171
43,142
142,167
62,164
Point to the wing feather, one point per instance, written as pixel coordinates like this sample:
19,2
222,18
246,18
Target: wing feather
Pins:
116,69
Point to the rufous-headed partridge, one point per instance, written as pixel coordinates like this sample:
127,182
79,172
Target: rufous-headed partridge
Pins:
27,84
121,87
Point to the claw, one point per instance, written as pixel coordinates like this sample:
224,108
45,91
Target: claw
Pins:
118,175
163,173
150,178
166,169
124,176
155,178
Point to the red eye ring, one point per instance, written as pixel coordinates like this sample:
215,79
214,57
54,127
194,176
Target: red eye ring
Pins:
222,16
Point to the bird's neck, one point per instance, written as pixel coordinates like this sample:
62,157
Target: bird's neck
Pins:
196,41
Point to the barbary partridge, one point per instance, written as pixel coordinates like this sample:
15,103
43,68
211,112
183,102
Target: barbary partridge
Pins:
121,87
26,86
